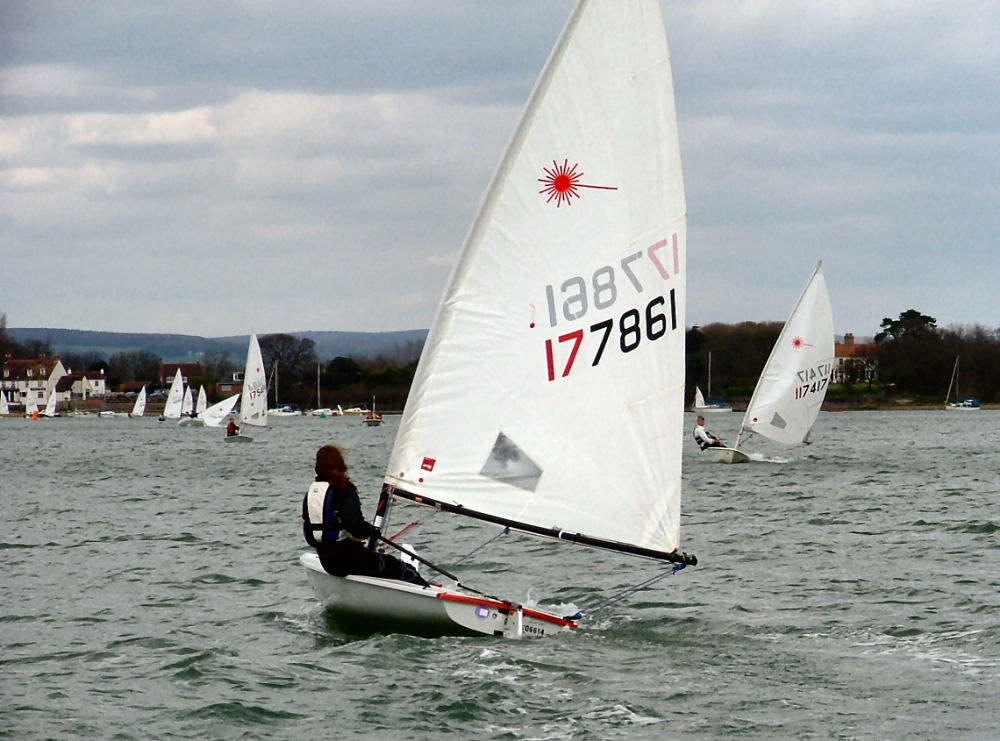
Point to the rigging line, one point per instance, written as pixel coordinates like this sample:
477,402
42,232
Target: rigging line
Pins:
408,527
440,570
503,532
413,524
626,592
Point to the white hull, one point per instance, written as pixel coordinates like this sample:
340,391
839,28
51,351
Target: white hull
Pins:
238,439
365,604
725,455
710,409
961,408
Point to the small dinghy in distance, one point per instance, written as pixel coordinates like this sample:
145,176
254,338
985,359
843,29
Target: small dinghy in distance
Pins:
793,384
253,401
585,219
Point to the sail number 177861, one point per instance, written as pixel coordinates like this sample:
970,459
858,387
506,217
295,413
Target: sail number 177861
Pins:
632,327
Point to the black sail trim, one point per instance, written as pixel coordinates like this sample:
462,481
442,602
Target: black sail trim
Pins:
555,533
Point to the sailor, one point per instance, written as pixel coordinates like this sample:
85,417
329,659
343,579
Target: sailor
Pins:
232,428
334,526
704,438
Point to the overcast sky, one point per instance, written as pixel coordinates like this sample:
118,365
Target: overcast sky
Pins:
214,166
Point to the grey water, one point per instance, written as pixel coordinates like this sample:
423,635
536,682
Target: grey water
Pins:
850,589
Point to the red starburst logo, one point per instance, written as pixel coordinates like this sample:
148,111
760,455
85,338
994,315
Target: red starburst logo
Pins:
562,183
798,343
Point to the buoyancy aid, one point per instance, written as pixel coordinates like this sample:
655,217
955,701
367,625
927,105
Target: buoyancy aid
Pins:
322,521
705,439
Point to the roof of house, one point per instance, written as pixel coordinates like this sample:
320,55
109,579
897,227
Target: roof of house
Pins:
18,368
186,369
853,350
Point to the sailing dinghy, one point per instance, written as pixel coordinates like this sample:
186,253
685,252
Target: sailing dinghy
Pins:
253,402
711,405
793,384
139,408
961,403
175,398
551,401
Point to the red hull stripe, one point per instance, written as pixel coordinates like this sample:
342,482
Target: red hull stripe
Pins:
504,607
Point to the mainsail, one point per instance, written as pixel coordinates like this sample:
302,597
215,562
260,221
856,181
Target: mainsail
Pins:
793,384
187,403
253,404
175,397
139,408
214,414
549,396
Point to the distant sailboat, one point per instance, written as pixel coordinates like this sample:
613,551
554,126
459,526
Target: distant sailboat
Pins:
281,410
175,398
139,408
253,402
701,405
960,404
793,384
4,405
51,405
373,418
322,411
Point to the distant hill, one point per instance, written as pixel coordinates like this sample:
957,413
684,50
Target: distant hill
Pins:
181,347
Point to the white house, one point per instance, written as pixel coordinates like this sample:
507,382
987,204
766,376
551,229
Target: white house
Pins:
35,378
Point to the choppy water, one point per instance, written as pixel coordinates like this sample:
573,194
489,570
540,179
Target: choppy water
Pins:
850,589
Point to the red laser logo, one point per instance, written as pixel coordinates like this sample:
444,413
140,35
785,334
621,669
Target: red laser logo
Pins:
562,183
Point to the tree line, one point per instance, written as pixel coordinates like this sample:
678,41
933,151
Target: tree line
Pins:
911,358
291,363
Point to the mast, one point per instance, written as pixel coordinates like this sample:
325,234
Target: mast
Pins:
953,382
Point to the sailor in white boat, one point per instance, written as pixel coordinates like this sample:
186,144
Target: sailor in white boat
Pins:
334,526
704,438
232,428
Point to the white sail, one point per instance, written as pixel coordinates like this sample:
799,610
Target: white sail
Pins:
51,404
214,414
4,406
30,406
253,405
793,384
202,403
175,397
550,392
139,408
187,403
